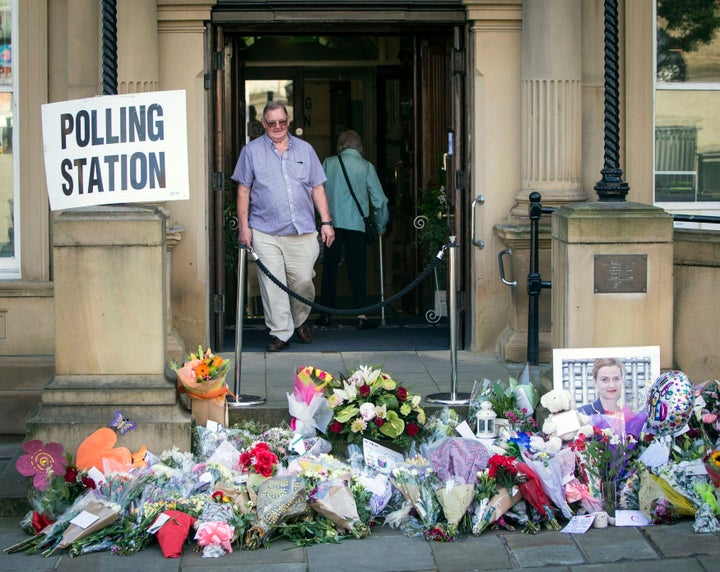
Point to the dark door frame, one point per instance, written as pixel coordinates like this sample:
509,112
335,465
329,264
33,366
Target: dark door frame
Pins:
229,126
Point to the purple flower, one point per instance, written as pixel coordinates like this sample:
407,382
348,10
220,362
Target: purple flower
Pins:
41,462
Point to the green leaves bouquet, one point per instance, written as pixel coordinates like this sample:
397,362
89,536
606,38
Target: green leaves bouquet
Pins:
368,403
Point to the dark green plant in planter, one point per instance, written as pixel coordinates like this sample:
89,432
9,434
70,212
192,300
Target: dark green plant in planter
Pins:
432,225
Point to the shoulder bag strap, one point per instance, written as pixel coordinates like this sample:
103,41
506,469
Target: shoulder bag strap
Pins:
347,180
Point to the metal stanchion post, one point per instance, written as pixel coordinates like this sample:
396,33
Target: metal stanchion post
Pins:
241,400
382,282
452,398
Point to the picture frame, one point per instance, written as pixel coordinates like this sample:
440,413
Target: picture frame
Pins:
572,371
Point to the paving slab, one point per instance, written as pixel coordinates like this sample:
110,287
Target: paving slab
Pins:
382,551
544,549
680,540
614,544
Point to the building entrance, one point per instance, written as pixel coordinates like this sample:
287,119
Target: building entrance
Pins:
396,91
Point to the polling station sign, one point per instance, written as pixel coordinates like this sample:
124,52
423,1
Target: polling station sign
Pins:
116,149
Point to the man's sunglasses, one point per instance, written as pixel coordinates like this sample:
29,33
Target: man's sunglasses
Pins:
278,122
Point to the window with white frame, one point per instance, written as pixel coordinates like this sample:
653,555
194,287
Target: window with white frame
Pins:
687,106
9,199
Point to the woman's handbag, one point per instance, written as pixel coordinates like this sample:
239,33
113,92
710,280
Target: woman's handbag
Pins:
371,233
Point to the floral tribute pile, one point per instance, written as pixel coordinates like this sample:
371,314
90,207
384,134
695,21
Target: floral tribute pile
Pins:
359,451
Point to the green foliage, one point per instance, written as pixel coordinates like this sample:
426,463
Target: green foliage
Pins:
690,23
433,206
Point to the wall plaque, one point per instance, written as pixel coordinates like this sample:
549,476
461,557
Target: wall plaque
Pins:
620,273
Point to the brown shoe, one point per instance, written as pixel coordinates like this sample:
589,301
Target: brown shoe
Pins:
303,332
277,345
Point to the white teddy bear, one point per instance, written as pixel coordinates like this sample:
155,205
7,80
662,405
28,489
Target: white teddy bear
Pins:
564,420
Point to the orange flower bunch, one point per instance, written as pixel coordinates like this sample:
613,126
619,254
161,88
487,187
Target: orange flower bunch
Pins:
202,373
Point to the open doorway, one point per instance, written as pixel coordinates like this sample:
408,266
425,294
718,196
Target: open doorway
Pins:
395,91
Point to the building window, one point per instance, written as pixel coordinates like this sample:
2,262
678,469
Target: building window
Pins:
687,106
9,199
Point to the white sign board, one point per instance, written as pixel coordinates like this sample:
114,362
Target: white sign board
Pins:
116,149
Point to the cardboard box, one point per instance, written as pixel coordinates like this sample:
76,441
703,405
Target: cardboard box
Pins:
209,409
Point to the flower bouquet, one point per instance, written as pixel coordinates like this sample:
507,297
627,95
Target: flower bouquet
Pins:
368,403
503,469
712,466
307,405
706,410
202,377
258,462
55,485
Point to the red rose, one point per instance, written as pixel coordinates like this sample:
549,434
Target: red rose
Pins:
217,496
88,483
71,474
411,429
265,458
379,421
364,390
401,394
336,427
40,521
261,447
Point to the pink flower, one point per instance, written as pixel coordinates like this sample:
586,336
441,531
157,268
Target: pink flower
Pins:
709,417
41,462
215,533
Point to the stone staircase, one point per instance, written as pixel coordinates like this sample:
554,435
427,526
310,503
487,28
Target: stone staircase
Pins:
72,407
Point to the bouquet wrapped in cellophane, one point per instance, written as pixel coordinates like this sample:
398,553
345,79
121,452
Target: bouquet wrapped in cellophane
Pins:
202,376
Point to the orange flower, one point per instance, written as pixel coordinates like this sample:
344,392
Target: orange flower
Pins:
217,361
202,370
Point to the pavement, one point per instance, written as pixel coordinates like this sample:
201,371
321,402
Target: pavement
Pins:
432,372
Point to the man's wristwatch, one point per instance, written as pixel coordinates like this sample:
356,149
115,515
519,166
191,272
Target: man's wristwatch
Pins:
326,222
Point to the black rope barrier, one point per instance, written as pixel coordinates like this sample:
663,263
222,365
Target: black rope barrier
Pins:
353,311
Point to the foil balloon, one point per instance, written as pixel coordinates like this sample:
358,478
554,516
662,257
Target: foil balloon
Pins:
669,403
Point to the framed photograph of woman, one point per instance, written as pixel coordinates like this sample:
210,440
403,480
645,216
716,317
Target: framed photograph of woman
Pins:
606,380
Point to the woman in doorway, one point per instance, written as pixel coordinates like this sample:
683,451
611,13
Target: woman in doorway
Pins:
348,222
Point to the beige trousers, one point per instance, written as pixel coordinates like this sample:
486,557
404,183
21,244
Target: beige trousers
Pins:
291,259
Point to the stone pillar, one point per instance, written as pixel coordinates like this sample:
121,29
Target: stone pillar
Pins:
551,103
612,277
110,331
137,46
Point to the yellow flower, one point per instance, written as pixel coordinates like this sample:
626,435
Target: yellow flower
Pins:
334,400
405,408
715,459
421,417
388,384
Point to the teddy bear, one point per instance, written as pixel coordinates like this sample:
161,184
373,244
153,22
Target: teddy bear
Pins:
564,420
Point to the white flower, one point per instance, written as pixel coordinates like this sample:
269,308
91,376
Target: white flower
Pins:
349,393
381,411
369,375
367,411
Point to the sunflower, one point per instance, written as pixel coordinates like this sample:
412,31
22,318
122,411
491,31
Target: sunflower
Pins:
714,459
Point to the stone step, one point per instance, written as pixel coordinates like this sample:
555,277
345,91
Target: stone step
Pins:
168,427
116,389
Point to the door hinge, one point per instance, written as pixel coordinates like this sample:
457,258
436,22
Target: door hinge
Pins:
218,181
459,62
218,61
206,81
460,180
219,303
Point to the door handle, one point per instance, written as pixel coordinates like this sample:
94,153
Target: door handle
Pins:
479,200
507,251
